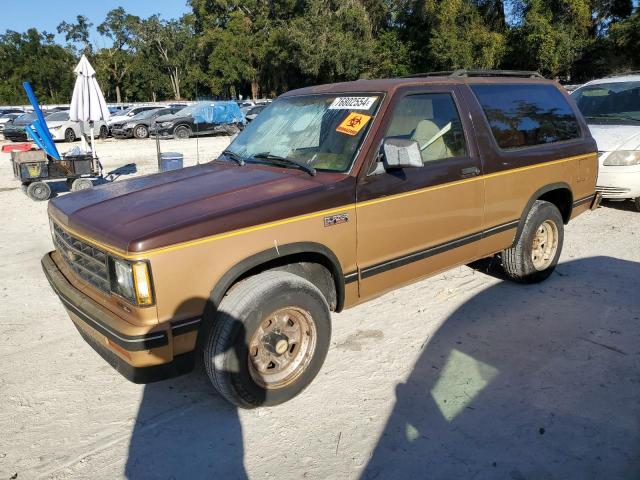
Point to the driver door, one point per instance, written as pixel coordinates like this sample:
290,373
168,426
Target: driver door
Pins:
413,222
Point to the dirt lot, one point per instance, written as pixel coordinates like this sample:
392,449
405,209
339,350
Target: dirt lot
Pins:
459,376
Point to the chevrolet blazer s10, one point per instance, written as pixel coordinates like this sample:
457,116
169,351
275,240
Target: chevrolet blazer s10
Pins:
333,195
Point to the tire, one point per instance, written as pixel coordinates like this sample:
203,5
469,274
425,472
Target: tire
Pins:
104,132
636,202
39,191
543,228
69,135
182,132
81,184
141,131
244,320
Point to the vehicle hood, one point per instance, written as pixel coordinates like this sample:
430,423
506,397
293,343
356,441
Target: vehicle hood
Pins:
616,137
157,210
119,118
59,123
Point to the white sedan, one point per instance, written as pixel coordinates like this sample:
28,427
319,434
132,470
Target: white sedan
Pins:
61,128
612,109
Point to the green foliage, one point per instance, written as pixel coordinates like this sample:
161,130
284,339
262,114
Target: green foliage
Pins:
226,48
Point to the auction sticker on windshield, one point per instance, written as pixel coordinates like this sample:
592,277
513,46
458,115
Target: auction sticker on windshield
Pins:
353,123
352,103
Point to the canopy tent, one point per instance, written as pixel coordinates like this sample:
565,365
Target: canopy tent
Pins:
87,102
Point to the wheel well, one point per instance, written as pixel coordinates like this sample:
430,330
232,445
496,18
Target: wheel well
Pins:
312,266
561,198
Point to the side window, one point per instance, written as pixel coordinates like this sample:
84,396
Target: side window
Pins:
527,115
432,120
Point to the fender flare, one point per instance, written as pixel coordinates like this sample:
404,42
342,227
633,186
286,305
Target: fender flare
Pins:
540,192
236,272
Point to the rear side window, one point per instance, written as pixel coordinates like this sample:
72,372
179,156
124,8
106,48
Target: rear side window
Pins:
527,115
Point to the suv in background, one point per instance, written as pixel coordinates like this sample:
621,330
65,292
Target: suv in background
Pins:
129,113
612,108
332,196
201,118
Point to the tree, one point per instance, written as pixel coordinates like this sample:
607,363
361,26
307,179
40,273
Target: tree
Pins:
78,33
120,28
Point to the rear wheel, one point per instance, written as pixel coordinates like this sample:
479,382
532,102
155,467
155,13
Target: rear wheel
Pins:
535,255
104,132
39,191
182,132
141,131
69,135
81,184
269,340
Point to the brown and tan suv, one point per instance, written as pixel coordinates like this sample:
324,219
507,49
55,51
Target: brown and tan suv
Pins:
332,196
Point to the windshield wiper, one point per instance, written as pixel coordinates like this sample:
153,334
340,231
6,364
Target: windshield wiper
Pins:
234,156
285,162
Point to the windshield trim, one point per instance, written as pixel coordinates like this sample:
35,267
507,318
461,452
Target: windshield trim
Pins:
368,128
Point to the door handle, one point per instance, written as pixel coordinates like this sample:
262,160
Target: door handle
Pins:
470,172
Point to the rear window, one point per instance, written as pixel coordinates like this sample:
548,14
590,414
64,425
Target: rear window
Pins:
527,115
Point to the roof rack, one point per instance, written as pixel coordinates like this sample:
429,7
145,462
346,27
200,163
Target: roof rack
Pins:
623,74
479,73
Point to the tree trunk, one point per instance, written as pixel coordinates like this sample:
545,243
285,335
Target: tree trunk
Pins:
254,89
153,95
118,96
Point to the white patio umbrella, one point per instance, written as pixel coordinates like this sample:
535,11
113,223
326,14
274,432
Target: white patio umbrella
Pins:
87,102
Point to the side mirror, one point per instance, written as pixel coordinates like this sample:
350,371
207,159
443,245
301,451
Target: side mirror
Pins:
401,153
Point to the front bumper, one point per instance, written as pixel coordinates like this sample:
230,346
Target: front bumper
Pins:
122,132
141,358
619,182
15,135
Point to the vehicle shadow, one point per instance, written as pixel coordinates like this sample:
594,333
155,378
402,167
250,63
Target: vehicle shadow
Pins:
184,429
625,206
526,382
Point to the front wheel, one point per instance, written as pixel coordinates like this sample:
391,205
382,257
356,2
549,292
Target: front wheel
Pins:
39,191
104,132
81,184
636,202
182,132
141,131
69,135
535,255
269,339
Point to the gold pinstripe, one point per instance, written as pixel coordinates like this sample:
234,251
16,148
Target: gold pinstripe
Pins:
348,207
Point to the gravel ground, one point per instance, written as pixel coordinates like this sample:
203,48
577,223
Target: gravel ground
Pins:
459,376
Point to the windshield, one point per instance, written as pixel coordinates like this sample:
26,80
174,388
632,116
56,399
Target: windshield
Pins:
26,117
320,131
616,102
58,117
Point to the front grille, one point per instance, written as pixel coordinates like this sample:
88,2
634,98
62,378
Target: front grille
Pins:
88,262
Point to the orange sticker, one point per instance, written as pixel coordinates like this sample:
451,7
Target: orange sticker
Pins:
353,123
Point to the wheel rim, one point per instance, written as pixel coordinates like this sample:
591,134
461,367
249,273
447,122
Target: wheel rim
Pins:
282,347
545,245
70,137
141,132
181,133
39,191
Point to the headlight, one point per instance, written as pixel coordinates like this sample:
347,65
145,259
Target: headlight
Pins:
129,125
132,281
57,127
167,124
623,158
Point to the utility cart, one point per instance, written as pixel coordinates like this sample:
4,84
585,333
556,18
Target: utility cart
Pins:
33,169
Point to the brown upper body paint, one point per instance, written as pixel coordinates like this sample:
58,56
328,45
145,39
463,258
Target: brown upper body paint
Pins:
195,226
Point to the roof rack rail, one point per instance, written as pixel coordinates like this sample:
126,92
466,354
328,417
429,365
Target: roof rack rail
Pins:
479,73
622,74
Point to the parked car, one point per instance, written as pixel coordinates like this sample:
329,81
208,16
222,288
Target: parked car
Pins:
612,108
5,111
329,198
15,131
62,128
253,113
129,113
139,125
201,118
7,118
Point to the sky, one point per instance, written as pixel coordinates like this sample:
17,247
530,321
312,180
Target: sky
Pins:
48,14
